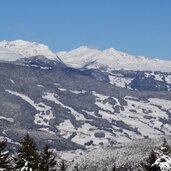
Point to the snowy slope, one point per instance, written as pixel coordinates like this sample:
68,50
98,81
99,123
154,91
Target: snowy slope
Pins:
20,48
111,59
7,55
128,155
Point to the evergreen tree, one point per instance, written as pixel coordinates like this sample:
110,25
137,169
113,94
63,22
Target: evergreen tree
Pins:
4,157
165,148
149,161
114,168
47,160
75,168
27,156
62,166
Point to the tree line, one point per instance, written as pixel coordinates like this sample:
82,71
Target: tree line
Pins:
27,157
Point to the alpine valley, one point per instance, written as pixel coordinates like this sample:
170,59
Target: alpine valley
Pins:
85,102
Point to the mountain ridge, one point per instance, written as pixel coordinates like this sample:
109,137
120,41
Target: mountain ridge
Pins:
111,59
83,57
26,49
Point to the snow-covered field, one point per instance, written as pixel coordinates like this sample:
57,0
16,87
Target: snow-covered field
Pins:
126,154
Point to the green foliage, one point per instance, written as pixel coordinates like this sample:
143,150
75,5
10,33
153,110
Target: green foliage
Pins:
4,157
27,153
47,160
149,161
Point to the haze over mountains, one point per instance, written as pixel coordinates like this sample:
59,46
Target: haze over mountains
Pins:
83,99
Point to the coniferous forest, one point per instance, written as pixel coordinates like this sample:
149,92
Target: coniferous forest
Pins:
27,157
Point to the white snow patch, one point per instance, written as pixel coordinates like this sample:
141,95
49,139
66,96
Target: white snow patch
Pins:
168,79
62,89
120,81
39,85
165,104
164,163
7,119
78,92
8,140
57,84
86,132
12,81
66,128
45,68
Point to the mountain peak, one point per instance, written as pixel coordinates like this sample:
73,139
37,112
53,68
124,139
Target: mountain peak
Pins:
114,52
27,49
111,59
111,50
82,49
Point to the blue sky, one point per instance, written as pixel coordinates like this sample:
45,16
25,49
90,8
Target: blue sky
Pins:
139,27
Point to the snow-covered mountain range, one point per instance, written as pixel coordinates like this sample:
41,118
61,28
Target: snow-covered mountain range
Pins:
111,59
83,57
119,68
93,104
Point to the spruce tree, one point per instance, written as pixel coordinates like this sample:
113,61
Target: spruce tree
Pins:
47,160
27,156
114,168
75,168
62,166
149,161
165,148
4,157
